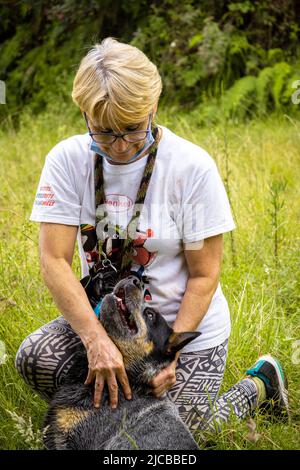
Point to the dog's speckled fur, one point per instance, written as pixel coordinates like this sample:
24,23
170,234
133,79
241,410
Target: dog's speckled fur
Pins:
145,422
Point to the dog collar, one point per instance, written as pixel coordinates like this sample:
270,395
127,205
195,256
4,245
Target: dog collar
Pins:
97,309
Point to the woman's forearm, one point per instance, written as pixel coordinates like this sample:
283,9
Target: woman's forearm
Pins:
71,299
195,303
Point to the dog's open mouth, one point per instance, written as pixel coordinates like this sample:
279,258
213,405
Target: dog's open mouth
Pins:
125,314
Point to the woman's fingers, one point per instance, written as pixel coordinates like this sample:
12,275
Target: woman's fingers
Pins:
163,382
106,367
165,377
113,391
159,392
159,380
113,388
99,385
90,377
123,379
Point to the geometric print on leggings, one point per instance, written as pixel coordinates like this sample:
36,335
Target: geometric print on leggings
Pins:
198,380
240,400
45,356
202,410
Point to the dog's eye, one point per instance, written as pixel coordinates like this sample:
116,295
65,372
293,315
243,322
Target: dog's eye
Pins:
150,314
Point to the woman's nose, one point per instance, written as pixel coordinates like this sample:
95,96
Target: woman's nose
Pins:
120,145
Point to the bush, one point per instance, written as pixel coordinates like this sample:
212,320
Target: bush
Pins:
204,50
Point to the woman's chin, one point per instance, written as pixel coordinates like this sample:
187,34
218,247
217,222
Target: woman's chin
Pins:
122,157
119,158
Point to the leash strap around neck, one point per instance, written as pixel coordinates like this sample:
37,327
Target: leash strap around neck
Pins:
127,247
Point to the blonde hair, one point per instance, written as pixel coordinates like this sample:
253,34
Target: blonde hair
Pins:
116,85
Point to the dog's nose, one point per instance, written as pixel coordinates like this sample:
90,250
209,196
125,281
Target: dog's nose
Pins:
133,280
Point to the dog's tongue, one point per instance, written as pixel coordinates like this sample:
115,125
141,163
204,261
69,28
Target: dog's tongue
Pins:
121,304
125,314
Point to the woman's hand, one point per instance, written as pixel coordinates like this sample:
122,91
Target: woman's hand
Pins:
106,365
164,380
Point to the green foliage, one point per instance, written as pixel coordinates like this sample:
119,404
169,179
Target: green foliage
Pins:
193,53
202,49
40,53
240,99
273,83
263,89
277,188
281,72
12,49
252,96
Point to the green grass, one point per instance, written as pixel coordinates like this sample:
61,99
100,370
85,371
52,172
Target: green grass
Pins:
259,162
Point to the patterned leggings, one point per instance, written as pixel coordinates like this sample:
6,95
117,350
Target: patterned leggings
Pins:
45,356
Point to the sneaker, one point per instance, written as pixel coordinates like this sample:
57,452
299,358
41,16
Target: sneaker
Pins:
270,371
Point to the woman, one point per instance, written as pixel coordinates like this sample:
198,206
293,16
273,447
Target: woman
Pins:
139,199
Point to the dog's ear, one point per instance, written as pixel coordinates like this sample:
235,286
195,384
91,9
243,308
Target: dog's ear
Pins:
177,341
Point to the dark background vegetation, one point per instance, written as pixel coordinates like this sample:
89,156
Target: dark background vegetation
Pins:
240,57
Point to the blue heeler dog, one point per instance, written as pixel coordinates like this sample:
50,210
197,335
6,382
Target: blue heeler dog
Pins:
148,344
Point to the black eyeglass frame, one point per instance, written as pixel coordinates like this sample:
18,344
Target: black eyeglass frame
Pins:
117,136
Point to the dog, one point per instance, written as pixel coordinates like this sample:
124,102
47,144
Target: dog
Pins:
148,344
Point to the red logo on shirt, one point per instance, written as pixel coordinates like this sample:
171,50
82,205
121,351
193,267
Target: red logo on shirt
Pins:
118,202
45,196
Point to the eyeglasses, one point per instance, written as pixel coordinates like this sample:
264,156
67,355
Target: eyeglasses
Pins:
109,138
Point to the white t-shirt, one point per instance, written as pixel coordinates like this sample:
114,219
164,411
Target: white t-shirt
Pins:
186,202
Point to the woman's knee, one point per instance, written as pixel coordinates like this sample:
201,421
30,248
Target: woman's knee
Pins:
24,359
25,364
45,355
